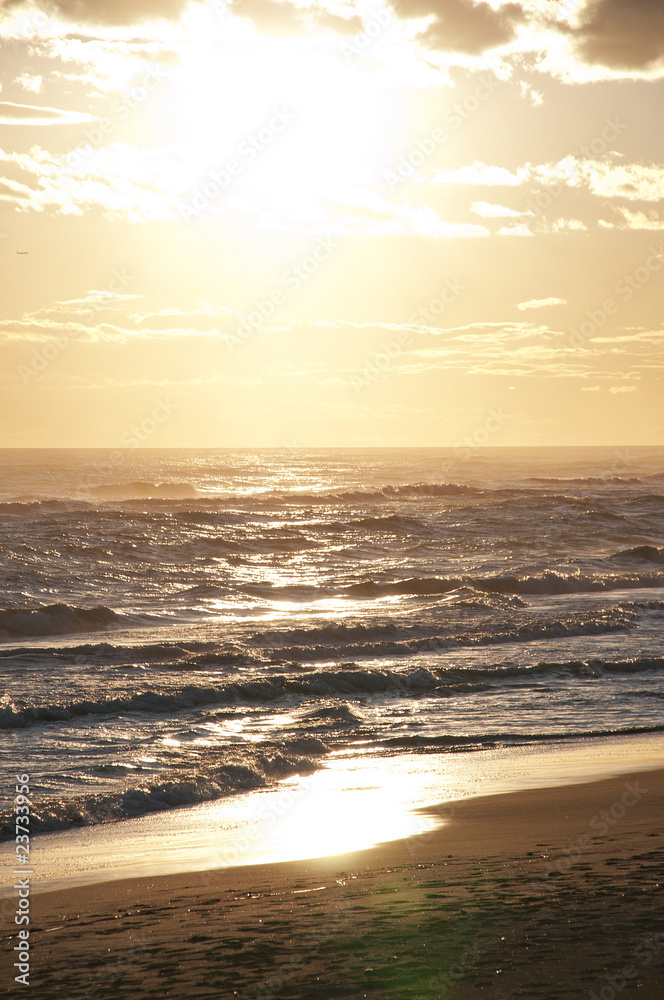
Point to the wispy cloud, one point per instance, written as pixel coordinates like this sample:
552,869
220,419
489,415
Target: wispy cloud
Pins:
490,211
541,303
29,114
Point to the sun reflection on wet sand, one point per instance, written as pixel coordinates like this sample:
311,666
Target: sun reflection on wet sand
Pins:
352,804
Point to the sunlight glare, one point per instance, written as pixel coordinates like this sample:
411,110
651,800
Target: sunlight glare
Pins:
300,124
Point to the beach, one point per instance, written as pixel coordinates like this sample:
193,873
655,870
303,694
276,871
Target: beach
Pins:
541,893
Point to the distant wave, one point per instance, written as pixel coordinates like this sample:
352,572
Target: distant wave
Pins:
590,480
558,582
221,774
106,652
338,640
140,490
57,619
407,491
391,637
348,680
397,523
554,581
602,623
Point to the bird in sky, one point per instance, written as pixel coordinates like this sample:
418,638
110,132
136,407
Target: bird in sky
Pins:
22,251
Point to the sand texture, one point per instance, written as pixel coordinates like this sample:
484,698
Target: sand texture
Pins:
553,893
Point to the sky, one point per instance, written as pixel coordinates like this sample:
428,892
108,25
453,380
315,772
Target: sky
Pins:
269,223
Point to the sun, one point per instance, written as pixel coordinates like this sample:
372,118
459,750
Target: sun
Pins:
281,125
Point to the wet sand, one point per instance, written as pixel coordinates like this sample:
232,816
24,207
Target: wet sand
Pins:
551,893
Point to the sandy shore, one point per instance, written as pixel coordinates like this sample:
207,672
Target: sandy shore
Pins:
552,893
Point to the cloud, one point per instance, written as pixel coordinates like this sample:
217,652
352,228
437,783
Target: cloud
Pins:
155,185
639,220
479,174
118,316
109,12
648,337
490,211
541,303
271,17
622,388
30,82
469,27
28,114
622,34
514,231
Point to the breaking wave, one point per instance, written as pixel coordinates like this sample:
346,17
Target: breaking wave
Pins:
57,619
223,773
348,680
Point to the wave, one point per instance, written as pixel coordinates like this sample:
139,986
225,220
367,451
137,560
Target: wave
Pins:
220,774
487,741
57,619
348,680
144,490
390,492
640,553
329,718
344,633
547,582
590,480
106,652
267,542
337,640
396,523
602,623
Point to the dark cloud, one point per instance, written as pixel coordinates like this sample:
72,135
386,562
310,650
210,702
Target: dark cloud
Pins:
271,17
108,12
622,34
467,26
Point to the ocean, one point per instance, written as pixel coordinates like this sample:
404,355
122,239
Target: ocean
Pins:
180,626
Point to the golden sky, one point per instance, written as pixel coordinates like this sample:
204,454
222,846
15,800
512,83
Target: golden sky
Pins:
271,223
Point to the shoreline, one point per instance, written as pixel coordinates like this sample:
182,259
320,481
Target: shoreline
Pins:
353,803
550,892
